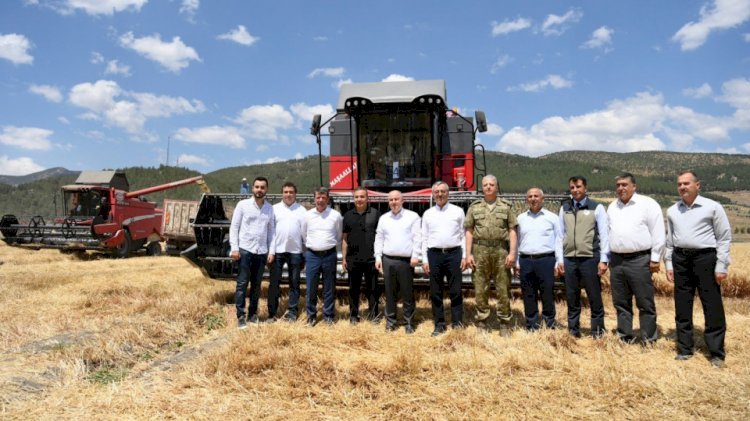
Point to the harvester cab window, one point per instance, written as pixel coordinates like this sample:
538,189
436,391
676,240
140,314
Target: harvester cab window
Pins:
394,149
84,203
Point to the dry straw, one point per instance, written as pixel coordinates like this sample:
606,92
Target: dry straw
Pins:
150,338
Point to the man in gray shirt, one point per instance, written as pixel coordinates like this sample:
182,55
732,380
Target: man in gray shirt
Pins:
697,257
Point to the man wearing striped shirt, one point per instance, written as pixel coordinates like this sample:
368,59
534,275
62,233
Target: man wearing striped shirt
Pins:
397,247
697,257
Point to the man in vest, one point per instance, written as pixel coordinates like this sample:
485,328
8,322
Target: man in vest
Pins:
585,250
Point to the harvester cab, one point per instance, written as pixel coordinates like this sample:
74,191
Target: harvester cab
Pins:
403,136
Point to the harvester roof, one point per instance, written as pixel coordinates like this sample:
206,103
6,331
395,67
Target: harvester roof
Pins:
107,179
391,92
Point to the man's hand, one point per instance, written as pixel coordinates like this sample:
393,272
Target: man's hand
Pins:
470,263
426,268
560,270
464,265
670,275
602,268
510,260
344,267
653,267
720,277
235,255
414,262
379,266
269,260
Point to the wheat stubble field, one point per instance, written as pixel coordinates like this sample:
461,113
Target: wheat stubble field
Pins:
143,338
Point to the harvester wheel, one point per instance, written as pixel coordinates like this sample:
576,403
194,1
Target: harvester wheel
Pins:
153,249
123,250
34,226
5,226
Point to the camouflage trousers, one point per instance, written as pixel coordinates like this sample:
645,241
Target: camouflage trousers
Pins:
490,264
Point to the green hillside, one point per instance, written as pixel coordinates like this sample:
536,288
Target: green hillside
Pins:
655,173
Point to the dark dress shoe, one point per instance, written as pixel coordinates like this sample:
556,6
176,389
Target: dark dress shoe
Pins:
409,329
683,357
438,331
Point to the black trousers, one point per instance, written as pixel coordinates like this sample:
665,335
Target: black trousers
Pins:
696,271
398,277
583,272
538,279
359,273
446,266
631,277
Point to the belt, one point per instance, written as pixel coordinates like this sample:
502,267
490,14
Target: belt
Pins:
491,243
321,253
402,258
694,252
444,250
632,255
537,256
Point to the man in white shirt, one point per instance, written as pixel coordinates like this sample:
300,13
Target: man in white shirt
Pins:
321,232
289,249
636,243
697,257
251,242
397,247
540,259
444,256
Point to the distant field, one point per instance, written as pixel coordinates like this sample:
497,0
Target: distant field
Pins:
146,338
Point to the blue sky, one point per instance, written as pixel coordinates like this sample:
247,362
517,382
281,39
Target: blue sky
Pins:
91,84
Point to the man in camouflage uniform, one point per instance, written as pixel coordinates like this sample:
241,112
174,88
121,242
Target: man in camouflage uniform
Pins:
491,243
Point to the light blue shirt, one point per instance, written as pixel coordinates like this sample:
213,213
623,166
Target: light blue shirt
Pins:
540,233
252,227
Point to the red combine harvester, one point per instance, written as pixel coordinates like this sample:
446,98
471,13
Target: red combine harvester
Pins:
100,214
384,136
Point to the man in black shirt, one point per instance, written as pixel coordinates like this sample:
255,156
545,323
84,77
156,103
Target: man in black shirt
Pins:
358,254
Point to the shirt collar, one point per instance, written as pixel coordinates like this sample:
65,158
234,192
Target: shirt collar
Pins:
698,202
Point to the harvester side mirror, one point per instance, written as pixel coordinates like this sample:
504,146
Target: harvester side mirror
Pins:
315,128
481,121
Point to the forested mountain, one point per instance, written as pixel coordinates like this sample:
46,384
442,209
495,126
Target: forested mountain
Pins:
655,174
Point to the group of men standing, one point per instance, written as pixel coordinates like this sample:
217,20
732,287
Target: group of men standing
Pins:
579,244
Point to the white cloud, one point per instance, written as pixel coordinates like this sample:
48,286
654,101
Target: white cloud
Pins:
185,159
300,156
105,100
240,36
273,159
15,47
212,135
501,62
190,7
261,148
31,138
264,121
552,81
328,72
699,92
101,7
306,112
50,93
746,37
494,130
723,14
556,25
320,38
96,58
340,82
641,122
736,92
507,26
602,37
174,56
394,77
746,147
63,120
115,68
18,166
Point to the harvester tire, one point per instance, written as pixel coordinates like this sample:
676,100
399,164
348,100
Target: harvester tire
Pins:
153,249
123,250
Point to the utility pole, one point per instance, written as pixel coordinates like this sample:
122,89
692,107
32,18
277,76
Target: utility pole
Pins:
169,139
